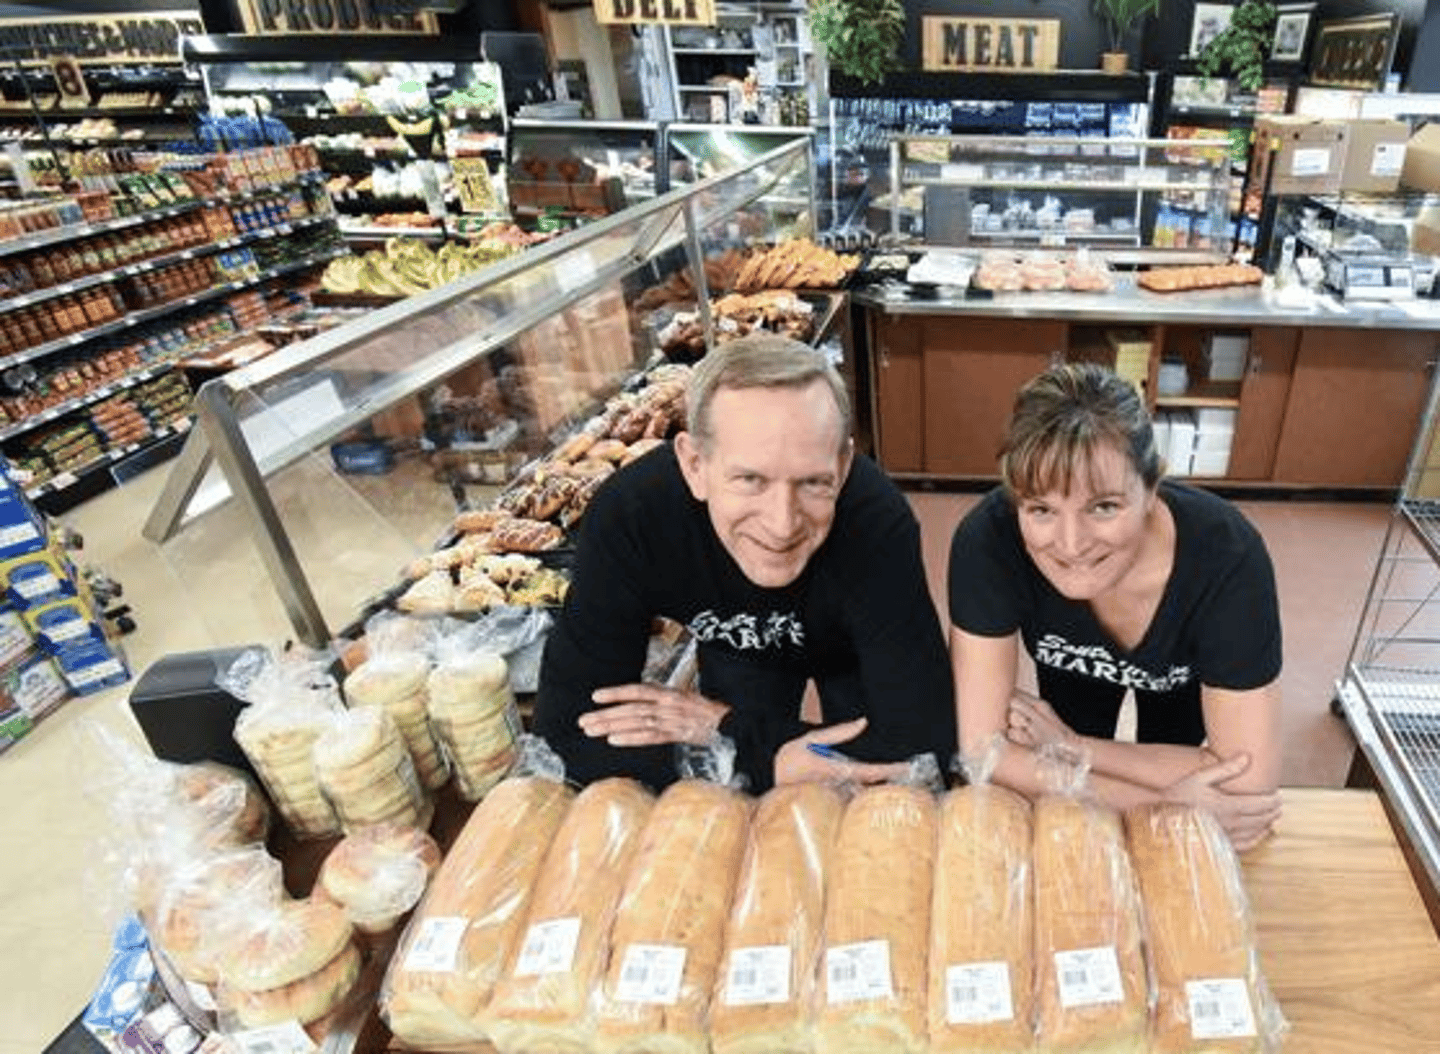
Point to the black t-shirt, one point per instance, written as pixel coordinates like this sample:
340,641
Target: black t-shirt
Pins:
1217,624
860,617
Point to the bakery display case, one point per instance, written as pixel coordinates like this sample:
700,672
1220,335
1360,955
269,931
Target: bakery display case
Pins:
1113,195
593,167
257,505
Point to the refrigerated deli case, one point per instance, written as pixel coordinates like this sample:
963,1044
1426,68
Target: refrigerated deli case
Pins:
543,338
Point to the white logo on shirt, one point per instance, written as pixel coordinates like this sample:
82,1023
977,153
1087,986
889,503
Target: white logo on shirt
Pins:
747,632
1095,660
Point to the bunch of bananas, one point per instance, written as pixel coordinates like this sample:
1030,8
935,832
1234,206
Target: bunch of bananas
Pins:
407,266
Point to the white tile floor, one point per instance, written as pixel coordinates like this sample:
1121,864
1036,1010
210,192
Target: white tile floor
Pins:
208,590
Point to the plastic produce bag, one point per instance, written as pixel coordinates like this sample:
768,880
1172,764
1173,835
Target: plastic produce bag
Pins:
1211,997
395,676
544,1001
456,944
666,941
365,771
518,633
982,932
472,711
765,993
877,921
290,703
378,873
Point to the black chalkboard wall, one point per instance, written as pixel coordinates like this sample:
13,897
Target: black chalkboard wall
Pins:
1166,37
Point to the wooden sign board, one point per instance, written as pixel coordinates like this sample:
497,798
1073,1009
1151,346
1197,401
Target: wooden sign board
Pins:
656,12
274,18
150,37
1354,52
990,45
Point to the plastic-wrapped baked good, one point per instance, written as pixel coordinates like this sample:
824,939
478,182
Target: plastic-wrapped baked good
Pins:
473,714
543,1003
378,873
394,676
765,993
366,773
188,920
877,924
298,964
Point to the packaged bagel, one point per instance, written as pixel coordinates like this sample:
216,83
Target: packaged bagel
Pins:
366,773
395,676
378,873
473,712
289,704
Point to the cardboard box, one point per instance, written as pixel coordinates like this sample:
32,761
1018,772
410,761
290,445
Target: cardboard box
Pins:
91,666
62,624
37,578
1425,234
1422,160
1374,155
1299,155
15,725
33,685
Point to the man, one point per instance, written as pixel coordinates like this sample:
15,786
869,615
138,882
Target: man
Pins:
789,560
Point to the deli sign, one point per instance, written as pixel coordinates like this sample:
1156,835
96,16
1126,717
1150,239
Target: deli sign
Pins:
656,12
990,45
150,37
292,17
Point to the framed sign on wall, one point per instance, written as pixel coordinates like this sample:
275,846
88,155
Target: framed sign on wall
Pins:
1354,52
1293,23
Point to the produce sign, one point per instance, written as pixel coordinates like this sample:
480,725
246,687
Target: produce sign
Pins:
992,45
286,17
152,37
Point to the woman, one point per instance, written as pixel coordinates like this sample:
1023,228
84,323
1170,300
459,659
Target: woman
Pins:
1116,580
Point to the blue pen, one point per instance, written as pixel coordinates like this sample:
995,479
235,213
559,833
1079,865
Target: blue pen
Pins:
826,751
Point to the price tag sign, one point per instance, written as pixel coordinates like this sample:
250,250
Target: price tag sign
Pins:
978,993
437,945
758,976
1089,976
1220,1008
651,973
287,1038
549,947
858,971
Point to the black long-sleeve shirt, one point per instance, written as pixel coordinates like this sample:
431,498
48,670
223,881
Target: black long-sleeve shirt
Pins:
859,616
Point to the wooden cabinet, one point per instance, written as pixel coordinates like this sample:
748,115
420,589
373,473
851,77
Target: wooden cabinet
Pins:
1354,407
972,369
899,383
1264,392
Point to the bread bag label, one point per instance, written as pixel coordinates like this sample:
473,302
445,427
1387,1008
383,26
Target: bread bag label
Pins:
651,973
436,948
1220,1008
858,971
1089,976
978,993
549,947
758,975
286,1038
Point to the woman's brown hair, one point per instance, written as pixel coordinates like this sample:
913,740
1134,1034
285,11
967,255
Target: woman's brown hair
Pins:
1065,414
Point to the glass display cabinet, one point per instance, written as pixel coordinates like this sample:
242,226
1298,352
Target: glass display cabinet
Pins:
1114,195
539,342
612,165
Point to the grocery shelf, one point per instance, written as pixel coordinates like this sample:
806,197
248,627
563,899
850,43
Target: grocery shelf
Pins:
63,481
1423,515
135,318
106,390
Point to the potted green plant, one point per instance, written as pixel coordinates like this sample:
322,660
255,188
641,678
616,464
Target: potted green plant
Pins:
1240,48
862,38
1119,16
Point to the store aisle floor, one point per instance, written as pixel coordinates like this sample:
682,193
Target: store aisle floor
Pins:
59,908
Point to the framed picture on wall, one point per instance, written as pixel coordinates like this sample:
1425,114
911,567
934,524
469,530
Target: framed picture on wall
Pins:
1292,32
1354,52
1209,22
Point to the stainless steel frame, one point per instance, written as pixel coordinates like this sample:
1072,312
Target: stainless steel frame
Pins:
570,268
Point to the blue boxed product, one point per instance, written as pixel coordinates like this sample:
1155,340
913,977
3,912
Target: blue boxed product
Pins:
128,988
91,667
15,635
33,684
37,578
21,529
61,624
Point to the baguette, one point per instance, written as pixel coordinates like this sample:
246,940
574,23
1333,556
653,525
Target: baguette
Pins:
982,938
1210,997
542,1003
473,909
665,945
775,923
877,921
1090,974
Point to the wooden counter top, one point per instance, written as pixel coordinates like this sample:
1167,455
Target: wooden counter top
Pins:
1345,940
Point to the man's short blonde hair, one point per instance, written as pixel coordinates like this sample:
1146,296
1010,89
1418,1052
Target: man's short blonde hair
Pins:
760,360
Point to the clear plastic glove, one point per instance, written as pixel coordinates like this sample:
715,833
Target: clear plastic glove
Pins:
812,757
644,715
1033,723
1248,818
